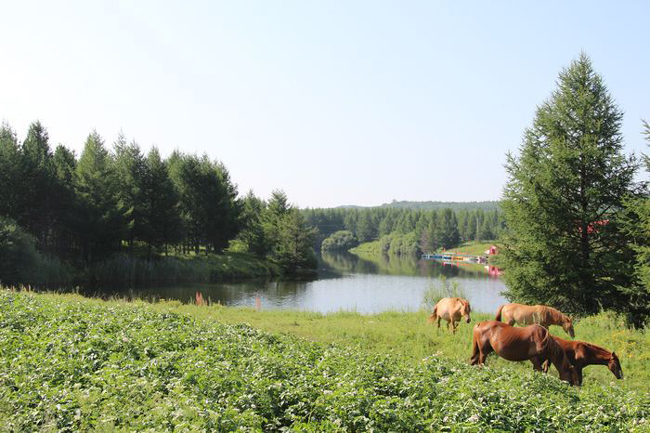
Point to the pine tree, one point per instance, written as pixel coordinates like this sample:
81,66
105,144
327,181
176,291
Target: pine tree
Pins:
563,200
102,224
11,167
39,185
159,222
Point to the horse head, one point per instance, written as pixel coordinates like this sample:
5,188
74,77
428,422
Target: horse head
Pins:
465,310
614,366
567,325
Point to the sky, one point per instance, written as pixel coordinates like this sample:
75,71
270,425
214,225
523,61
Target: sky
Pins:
334,102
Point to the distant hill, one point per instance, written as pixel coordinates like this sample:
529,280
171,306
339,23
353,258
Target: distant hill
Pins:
428,205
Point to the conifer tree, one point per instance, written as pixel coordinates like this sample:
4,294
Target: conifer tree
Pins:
563,200
102,223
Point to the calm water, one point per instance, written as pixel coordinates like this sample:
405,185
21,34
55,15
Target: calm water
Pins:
349,282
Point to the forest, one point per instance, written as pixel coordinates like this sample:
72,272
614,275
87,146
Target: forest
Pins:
407,231
64,213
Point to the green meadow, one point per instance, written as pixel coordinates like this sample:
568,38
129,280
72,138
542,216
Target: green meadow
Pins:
68,363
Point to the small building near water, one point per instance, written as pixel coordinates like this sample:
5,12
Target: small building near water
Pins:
492,250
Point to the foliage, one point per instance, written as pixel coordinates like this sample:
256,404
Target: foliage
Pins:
290,235
89,211
442,289
18,256
637,225
72,365
563,201
340,240
432,228
125,270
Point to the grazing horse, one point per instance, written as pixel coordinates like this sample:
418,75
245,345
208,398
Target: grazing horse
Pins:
582,354
533,343
529,314
452,310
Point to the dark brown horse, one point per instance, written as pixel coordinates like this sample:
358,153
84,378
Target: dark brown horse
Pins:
582,354
533,343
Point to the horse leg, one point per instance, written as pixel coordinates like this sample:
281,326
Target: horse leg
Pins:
484,350
438,322
538,363
579,372
475,353
545,365
453,326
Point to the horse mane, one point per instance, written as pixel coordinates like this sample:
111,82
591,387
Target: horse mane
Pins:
555,314
465,302
597,348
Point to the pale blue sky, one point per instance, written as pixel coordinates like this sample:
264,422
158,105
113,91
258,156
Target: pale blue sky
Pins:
334,102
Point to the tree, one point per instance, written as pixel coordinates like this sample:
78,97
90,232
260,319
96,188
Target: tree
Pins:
102,223
11,182
129,172
638,226
39,185
293,247
159,221
252,233
563,200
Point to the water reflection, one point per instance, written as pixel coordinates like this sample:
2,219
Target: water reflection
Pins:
346,282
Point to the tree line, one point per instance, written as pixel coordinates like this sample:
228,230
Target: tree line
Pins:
83,209
415,230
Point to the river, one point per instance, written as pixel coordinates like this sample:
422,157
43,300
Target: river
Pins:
347,282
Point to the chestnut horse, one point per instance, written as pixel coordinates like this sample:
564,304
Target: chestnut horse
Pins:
533,342
582,354
452,310
529,314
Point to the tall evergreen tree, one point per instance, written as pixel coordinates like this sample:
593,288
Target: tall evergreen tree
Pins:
39,185
159,221
11,167
638,226
564,198
129,171
102,225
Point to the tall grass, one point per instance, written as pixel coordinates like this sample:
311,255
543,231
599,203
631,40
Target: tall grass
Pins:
442,288
127,270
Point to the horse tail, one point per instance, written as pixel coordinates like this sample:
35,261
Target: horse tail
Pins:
432,317
498,317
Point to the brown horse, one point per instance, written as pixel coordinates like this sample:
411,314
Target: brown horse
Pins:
529,314
533,342
452,310
582,354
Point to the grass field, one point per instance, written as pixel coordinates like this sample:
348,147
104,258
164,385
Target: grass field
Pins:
68,363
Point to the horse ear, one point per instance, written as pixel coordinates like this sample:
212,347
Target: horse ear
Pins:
614,355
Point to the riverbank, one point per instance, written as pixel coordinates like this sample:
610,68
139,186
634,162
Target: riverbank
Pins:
134,270
70,363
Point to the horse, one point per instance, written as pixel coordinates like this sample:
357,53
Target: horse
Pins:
529,314
452,310
533,343
582,354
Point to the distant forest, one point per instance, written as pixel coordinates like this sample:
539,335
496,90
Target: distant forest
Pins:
434,205
403,230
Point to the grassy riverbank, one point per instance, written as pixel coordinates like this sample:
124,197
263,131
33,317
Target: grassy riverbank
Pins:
135,270
69,363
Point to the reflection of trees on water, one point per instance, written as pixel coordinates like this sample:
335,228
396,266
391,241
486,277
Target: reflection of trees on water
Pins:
397,265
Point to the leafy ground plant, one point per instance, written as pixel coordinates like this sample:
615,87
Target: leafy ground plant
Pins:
70,364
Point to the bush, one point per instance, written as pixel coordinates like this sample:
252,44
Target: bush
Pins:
442,289
18,256
340,240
